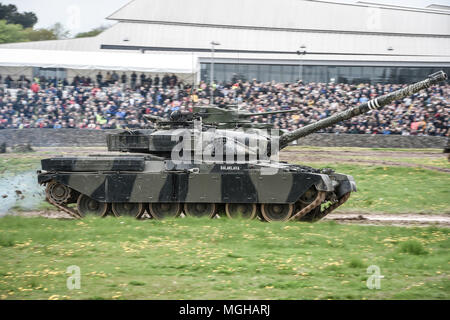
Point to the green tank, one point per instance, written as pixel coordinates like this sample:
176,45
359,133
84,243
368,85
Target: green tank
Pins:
191,165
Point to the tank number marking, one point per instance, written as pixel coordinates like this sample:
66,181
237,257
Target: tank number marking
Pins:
230,168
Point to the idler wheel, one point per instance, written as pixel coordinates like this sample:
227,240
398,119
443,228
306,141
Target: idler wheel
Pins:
309,196
241,210
58,192
277,211
88,206
127,209
161,210
200,209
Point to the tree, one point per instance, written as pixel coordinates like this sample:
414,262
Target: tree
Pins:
59,31
91,33
40,34
12,16
11,32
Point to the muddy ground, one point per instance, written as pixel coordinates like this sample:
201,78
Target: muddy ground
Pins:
409,219
369,157
398,219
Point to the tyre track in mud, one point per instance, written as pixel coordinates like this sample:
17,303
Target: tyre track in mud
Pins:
392,219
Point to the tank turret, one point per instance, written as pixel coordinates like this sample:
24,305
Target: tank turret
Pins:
229,116
221,117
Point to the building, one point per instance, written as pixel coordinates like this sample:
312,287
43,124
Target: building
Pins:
283,40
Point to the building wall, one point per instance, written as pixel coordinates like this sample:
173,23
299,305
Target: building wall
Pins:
80,138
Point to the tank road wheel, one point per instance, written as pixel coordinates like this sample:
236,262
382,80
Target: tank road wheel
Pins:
277,211
243,210
160,210
127,209
200,209
88,206
58,192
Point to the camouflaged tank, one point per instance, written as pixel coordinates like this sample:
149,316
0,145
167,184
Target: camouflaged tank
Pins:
185,166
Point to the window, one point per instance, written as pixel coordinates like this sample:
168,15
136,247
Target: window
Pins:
224,72
253,72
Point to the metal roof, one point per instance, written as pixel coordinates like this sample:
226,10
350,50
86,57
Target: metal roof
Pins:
287,14
190,38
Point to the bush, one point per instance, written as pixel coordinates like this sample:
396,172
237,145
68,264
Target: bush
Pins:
356,263
412,247
6,241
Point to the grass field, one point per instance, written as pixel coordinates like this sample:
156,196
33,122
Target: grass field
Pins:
397,189
228,259
224,259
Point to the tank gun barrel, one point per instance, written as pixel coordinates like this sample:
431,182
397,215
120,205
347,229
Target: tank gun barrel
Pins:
373,104
250,114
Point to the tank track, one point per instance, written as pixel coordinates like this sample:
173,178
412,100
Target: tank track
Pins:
316,214
315,203
61,205
311,213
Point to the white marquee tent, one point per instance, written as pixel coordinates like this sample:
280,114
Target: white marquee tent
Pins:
80,60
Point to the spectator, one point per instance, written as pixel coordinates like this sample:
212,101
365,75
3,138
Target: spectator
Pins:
142,77
114,77
133,80
123,78
35,87
99,78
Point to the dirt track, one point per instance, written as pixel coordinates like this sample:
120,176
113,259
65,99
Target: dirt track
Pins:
399,219
347,218
370,157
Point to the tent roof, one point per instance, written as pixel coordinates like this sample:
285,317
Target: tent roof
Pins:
148,62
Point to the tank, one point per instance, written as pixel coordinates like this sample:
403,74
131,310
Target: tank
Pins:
191,165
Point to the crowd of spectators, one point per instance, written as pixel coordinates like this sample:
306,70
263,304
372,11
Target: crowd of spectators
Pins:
117,101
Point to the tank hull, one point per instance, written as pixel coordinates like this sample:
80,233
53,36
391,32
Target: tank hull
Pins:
187,183
237,186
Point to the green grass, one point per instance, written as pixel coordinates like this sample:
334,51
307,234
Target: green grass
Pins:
356,149
413,247
219,259
395,189
14,165
441,162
